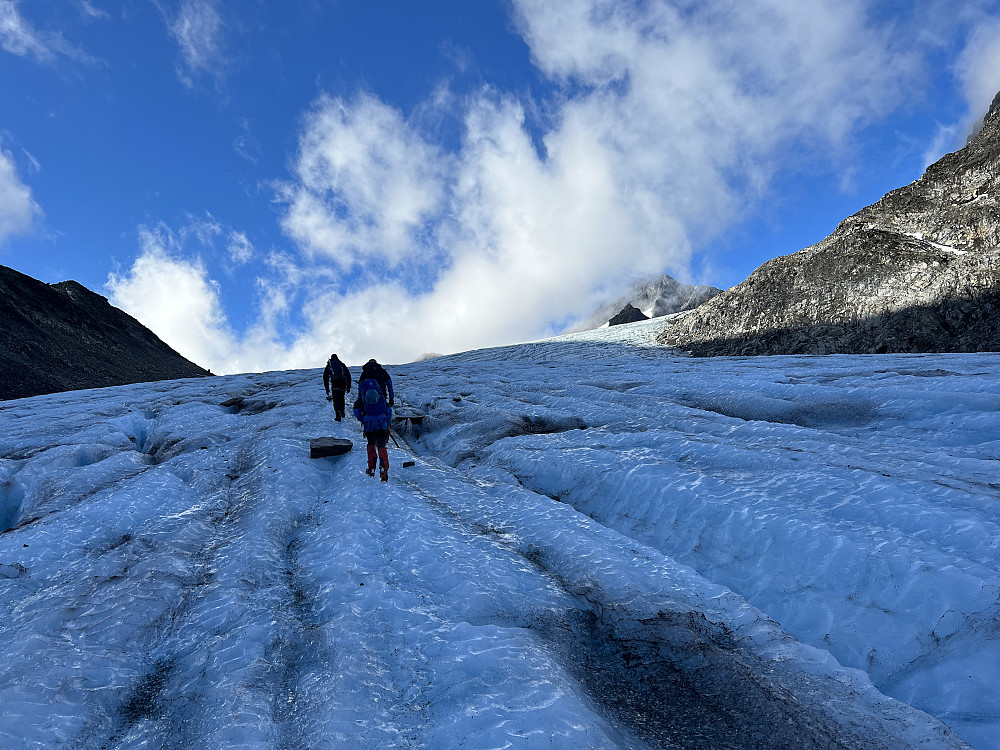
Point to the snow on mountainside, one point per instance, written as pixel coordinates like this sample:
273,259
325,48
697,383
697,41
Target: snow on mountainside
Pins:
600,545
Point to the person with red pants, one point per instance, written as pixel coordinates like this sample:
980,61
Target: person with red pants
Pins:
373,409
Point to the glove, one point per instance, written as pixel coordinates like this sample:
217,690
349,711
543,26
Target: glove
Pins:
391,400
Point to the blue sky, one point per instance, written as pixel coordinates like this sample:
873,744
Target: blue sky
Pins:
262,183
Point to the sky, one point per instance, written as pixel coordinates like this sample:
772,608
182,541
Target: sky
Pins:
264,183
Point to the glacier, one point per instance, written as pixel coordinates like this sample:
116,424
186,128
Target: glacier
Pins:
600,544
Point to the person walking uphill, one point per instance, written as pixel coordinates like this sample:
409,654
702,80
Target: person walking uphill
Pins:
374,410
337,381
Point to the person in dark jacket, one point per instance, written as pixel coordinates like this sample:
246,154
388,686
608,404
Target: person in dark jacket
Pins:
373,369
337,381
373,409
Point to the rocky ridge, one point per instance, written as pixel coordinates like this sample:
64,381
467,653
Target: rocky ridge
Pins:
64,337
918,271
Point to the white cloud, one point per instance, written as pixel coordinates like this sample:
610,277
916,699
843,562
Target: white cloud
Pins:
947,138
976,69
208,232
34,165
979,67
246,145
366,184
198,30
240,247
88,9
18,209
175,298
506,239
746,73
205,230
18,37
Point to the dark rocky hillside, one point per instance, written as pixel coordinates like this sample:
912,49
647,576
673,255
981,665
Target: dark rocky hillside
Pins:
919,271
64,337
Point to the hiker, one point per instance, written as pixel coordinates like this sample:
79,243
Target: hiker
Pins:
337,381
373,409
373,369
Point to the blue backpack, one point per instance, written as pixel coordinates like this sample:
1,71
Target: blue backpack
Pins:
375,411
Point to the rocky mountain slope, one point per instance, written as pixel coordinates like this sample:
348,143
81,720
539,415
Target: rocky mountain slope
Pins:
919,271
64,337
653,297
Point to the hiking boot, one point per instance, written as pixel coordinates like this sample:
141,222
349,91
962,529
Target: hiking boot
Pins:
384,473
337,419
370,471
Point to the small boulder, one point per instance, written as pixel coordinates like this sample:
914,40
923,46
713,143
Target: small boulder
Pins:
328,446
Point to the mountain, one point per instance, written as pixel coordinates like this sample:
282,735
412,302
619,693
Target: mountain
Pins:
64,337
653,297
919,271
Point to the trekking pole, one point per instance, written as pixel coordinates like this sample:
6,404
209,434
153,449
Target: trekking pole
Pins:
393,438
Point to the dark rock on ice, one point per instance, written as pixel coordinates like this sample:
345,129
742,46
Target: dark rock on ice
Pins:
323,447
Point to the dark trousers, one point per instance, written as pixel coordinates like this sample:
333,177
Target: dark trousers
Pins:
338,402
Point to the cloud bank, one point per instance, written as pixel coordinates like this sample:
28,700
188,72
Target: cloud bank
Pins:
661,126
